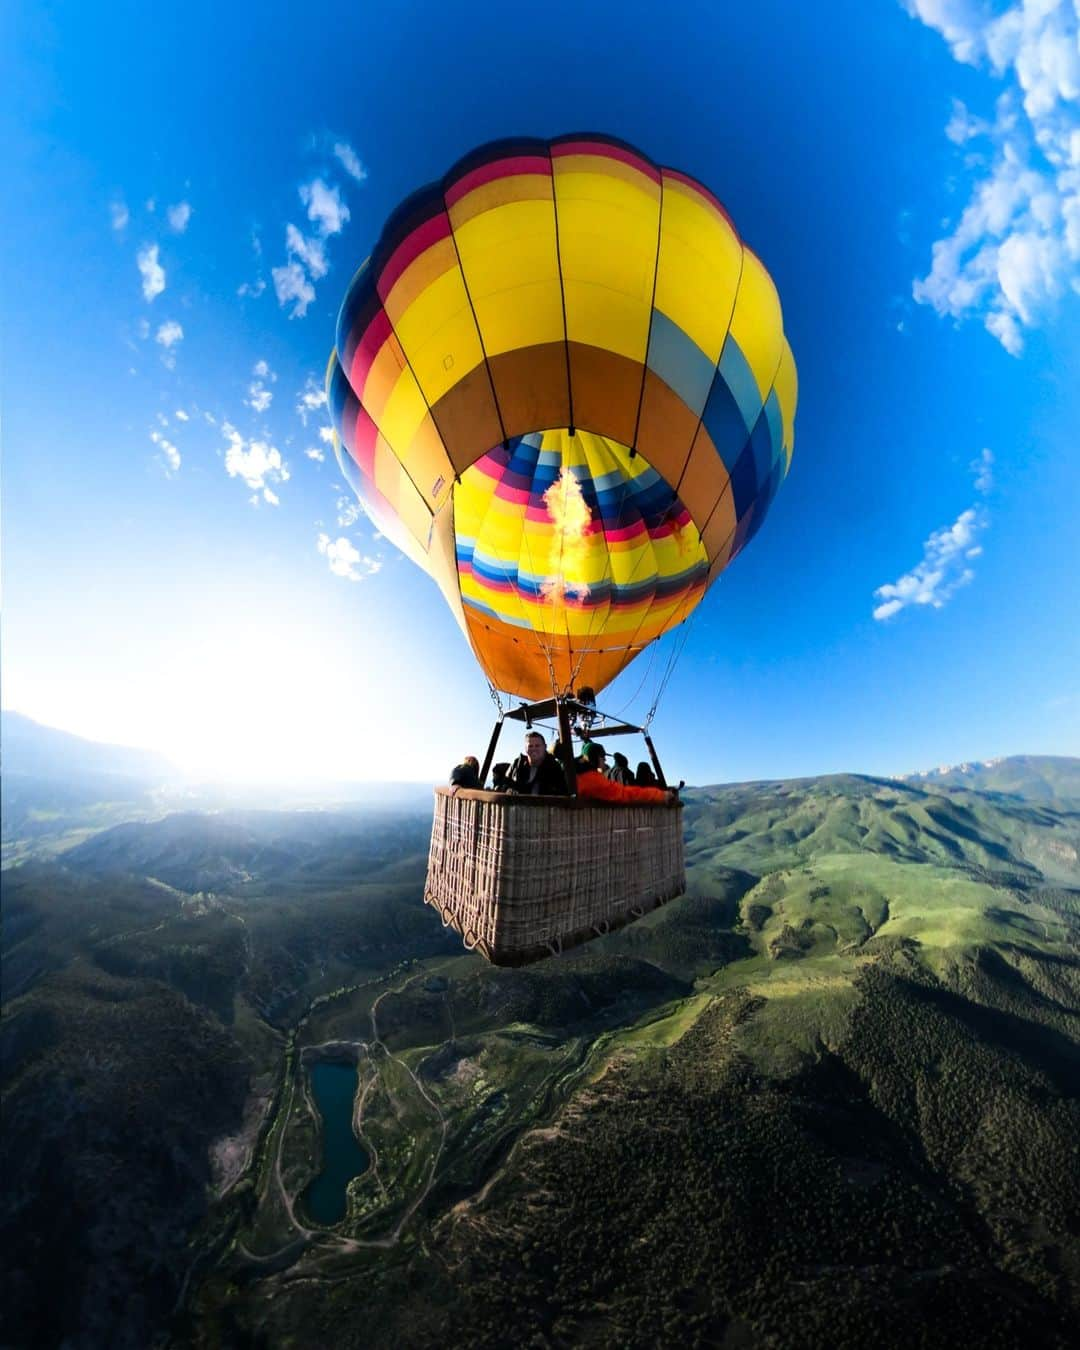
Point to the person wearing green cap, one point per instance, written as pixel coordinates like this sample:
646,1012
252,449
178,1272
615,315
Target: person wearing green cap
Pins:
592,785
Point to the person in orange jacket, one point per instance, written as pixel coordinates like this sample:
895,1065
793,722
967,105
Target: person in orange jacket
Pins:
592,784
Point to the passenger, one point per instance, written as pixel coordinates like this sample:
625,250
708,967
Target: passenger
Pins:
620,771
537,773
500,777
466,774
645,776
592,784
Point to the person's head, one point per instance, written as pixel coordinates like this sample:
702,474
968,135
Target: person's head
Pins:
644,771
594,754
535,747
621,760
500,772
472,762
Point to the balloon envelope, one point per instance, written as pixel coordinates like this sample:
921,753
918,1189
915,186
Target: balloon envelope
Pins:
561,385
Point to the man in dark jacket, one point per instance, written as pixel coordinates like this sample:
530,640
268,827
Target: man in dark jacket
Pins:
537,773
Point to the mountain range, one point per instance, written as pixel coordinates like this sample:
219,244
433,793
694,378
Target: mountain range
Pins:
826,1098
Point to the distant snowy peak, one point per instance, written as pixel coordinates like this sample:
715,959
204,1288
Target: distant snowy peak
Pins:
967,767
1041,777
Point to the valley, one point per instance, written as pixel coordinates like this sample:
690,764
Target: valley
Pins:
827,1095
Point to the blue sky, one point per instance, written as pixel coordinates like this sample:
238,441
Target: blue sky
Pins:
181,573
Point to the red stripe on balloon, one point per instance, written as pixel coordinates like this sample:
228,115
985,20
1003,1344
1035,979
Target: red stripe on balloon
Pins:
410,248
490,173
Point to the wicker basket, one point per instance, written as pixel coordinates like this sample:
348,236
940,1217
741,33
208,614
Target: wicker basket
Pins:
521,878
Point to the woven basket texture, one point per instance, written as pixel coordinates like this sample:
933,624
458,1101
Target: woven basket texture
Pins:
522,878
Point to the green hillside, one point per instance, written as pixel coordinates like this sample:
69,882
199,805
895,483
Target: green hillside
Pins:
829,1097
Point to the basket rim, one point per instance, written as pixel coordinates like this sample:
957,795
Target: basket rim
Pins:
511,801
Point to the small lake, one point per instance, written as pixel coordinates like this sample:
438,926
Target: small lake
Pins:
334,1088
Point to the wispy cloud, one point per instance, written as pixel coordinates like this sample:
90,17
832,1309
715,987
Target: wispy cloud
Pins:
178,216
313,452
169,452
349,511
169,333
947,555
346,560
310,399
940,573
291,286
119,215
151,271
254,288
349,160
310,252
259,396
983,469
1016,246
181,415
324,206
257,463
326,434
306,254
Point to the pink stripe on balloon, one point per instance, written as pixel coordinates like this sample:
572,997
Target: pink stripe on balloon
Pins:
367,349
410,248
689,182
499,168
609,152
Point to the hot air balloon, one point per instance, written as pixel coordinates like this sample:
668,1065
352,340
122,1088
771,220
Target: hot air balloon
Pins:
561,386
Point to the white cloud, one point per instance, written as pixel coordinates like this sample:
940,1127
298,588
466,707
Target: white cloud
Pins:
292,286
313,452
119,216
310,399
259,397
349,511
941,571
252,288
169,333
324,206
178,216
151,271
181,415
257,463
1016,247
143,328
326,434
983,469
350,161
345,560
170,452
311,252
271,497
